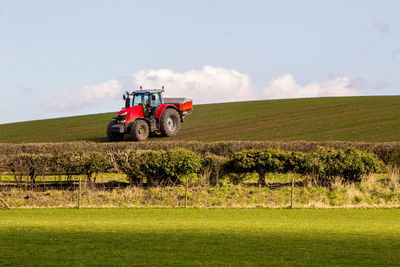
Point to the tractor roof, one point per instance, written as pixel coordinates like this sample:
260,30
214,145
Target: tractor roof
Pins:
143,91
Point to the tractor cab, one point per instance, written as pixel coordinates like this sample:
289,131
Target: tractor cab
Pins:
150,100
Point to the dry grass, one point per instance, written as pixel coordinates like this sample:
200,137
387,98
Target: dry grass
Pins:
394,177
373,191
369,182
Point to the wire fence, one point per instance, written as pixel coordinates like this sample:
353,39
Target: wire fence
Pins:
80,193
281,191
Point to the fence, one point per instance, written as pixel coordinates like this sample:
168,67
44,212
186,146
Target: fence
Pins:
78,193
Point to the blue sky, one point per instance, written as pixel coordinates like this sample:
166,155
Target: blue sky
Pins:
62,58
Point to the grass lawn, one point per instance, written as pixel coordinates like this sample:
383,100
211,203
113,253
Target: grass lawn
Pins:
199,237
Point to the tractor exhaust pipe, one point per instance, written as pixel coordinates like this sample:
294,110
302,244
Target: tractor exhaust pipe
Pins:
127,100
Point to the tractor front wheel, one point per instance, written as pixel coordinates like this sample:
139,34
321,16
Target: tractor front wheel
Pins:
112,136
170,122
140,130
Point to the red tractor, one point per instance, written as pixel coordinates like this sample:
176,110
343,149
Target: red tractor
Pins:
148,112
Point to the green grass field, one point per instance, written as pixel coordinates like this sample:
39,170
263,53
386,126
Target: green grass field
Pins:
158,237
374,119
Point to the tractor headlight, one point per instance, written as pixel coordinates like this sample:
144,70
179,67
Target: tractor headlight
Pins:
121,118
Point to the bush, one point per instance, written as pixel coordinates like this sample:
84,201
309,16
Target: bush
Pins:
33,165
394,160
80,163
161,167
350,164
66,164
262,161
324,164
298,162
92,163
212,167
122,161
29,166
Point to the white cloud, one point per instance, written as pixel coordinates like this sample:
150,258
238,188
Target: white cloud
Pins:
87,95
285,86
207,85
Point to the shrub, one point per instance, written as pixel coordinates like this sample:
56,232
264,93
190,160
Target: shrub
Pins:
124,163
66,164
350,164
394,160
92,163
259,161
29,166
149,165
212,167
181,162
162,167
324,164
80,163
298,162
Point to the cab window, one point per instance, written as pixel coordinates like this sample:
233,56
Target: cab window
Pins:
140,99
155,100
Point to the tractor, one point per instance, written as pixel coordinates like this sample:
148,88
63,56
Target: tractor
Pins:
147,112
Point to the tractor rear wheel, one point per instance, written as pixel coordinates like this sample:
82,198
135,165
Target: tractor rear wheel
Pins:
112,136
170,122
140,130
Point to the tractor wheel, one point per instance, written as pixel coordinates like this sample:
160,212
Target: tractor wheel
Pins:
140,130
170,122
113,137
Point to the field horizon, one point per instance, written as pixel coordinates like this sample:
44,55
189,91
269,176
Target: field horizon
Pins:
365,118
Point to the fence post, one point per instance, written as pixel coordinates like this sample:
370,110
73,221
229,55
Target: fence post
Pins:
291,193
186,189
80,193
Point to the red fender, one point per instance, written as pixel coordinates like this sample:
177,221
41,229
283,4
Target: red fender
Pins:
161,109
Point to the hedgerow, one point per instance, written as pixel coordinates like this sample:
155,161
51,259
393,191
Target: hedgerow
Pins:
324,164
162,167
29,166
387,152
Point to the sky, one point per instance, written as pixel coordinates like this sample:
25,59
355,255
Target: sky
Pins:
65,58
